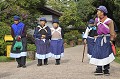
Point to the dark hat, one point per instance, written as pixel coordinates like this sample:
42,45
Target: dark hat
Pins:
102,8
91,21
43,19
55,21
16,17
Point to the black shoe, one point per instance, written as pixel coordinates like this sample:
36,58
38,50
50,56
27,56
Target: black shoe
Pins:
24,66
106,72
46,61
39,64
57,62
98,72
19,66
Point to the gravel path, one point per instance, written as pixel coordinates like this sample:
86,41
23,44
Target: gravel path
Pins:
71,68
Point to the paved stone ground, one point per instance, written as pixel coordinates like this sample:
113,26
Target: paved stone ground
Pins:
71,68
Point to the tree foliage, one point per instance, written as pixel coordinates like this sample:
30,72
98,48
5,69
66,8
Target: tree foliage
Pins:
4,29
86,9
26,9
56,5
69,10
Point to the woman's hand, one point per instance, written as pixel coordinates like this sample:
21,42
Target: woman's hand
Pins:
43,36
85,41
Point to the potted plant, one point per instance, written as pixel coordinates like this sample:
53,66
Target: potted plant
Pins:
31,51
72,41
79,41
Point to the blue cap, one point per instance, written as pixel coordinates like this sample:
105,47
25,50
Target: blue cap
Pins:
91,21
16,17
102,8
55,21
43,19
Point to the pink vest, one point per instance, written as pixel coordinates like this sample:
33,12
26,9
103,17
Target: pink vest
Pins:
102,27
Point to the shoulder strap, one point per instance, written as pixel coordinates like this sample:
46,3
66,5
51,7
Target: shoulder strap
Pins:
103,22
42,28
56,30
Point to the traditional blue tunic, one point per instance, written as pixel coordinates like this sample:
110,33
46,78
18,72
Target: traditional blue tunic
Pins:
56,44
102,51
42,45
19,30
89,35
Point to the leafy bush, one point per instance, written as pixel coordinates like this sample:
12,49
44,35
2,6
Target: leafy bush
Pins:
4,29
2,47
118,51
118,40
31,47
72,35
66,41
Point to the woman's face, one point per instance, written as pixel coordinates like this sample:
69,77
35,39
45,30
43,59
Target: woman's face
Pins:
55,25
99,13
16,21
91,25
42,23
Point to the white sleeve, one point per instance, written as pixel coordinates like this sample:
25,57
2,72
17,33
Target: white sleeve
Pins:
86,33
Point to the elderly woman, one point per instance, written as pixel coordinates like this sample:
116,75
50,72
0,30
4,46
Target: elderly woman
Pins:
102,54
42,35
56,44
19,47
89,36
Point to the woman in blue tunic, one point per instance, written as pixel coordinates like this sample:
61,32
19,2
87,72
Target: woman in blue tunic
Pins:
19,47
56,44
102,54
88,37
42,35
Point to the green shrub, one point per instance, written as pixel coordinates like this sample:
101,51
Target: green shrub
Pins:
31,47
4,29
2,47
117,51
118,40
66,41
72,35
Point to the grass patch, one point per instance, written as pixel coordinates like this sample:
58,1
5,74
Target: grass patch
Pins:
117,59
6,59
